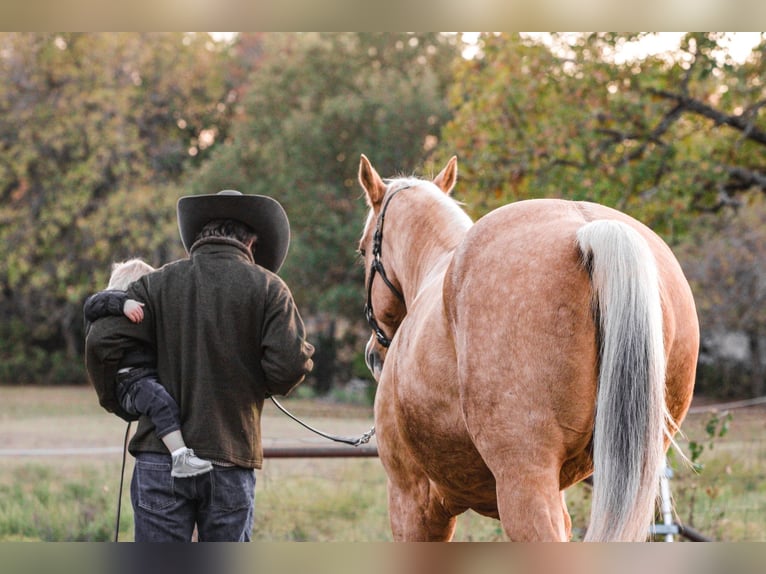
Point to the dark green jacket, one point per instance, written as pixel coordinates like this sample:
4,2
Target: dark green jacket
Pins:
227,335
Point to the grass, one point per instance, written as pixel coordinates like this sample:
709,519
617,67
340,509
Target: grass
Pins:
726,498
72,498
342,500
38,504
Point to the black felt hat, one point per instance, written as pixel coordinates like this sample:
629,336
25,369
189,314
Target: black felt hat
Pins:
264,215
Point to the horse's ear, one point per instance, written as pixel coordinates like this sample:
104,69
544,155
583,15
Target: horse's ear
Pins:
448,176
371,182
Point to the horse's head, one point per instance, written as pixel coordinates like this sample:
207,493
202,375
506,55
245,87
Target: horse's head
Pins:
386,305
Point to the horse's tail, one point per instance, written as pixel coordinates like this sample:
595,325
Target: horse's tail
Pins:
631,416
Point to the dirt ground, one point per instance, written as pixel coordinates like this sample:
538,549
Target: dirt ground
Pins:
70,417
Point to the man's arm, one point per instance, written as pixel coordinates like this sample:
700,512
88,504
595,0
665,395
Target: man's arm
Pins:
286,353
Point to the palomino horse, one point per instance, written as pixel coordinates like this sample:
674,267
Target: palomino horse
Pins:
516,356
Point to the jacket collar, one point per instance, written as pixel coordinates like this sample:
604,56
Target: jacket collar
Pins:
213,245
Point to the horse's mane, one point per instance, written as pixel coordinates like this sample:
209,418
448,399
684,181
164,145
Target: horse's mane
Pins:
458,214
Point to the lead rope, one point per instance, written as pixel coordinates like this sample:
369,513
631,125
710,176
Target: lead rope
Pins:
122,479
363,439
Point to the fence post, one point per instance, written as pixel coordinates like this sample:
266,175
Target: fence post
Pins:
668,527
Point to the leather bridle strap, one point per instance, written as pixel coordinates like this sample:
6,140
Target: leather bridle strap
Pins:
377,268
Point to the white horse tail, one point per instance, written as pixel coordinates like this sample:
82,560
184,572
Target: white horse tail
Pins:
631,416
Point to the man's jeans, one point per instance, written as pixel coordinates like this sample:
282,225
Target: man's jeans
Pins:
165,509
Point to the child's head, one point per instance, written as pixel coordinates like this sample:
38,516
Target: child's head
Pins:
124,273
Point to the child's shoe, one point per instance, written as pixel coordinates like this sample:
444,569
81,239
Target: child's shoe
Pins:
186,464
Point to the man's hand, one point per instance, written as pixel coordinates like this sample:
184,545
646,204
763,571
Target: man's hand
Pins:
133,310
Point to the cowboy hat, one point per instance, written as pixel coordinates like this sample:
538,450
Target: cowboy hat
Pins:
264,215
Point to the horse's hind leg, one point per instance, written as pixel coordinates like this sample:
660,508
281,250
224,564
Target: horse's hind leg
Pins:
417,513
567,518
531,507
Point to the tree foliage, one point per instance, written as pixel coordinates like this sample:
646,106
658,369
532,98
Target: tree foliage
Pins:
663,137
316,102
101,133
670,138
94,131
724,261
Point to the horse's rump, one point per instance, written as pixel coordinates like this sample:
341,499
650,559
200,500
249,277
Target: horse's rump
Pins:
518,300
524,314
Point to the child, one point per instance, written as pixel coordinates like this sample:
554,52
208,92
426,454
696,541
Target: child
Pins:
138,388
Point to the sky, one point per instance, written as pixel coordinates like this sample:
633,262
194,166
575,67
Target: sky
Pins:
740,44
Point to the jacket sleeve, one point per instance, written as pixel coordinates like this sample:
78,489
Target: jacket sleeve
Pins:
286,354
106,341
104,304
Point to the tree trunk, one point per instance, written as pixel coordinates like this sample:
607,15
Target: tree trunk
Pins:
758,368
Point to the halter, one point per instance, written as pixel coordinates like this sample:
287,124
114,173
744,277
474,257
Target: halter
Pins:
377,267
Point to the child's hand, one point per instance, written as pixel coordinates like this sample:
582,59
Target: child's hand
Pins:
133,310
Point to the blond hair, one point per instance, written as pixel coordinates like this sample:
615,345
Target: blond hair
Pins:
125,272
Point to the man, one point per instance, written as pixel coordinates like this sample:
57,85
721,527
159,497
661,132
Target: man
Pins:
227,334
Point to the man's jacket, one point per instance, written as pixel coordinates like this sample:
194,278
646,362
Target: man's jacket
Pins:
226,333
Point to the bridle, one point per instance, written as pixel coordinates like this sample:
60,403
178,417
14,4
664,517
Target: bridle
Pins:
377,268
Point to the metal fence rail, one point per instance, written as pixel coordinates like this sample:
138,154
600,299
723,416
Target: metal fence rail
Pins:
716,504
366,451
726,501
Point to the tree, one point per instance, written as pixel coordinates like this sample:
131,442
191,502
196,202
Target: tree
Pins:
663,138
313,105
672,138
725,261
92,128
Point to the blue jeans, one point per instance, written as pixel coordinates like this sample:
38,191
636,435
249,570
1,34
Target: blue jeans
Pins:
165,509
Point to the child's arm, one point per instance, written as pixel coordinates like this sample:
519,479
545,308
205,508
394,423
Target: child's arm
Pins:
112,303
104,304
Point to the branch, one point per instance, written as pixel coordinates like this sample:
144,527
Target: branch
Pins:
656,134
746,177
739,122
740,179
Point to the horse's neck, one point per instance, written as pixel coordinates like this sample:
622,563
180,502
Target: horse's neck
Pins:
422,257
434,273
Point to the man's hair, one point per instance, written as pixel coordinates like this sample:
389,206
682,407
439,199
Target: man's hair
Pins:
230,228
125,272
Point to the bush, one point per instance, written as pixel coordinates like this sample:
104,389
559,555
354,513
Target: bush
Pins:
34,365
723,379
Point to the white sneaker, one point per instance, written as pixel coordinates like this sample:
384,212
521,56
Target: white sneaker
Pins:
186,464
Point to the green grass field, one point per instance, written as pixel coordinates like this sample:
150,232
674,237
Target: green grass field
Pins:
47,495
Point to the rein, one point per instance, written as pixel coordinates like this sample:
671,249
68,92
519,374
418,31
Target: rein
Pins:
122,481
363,439
377,268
